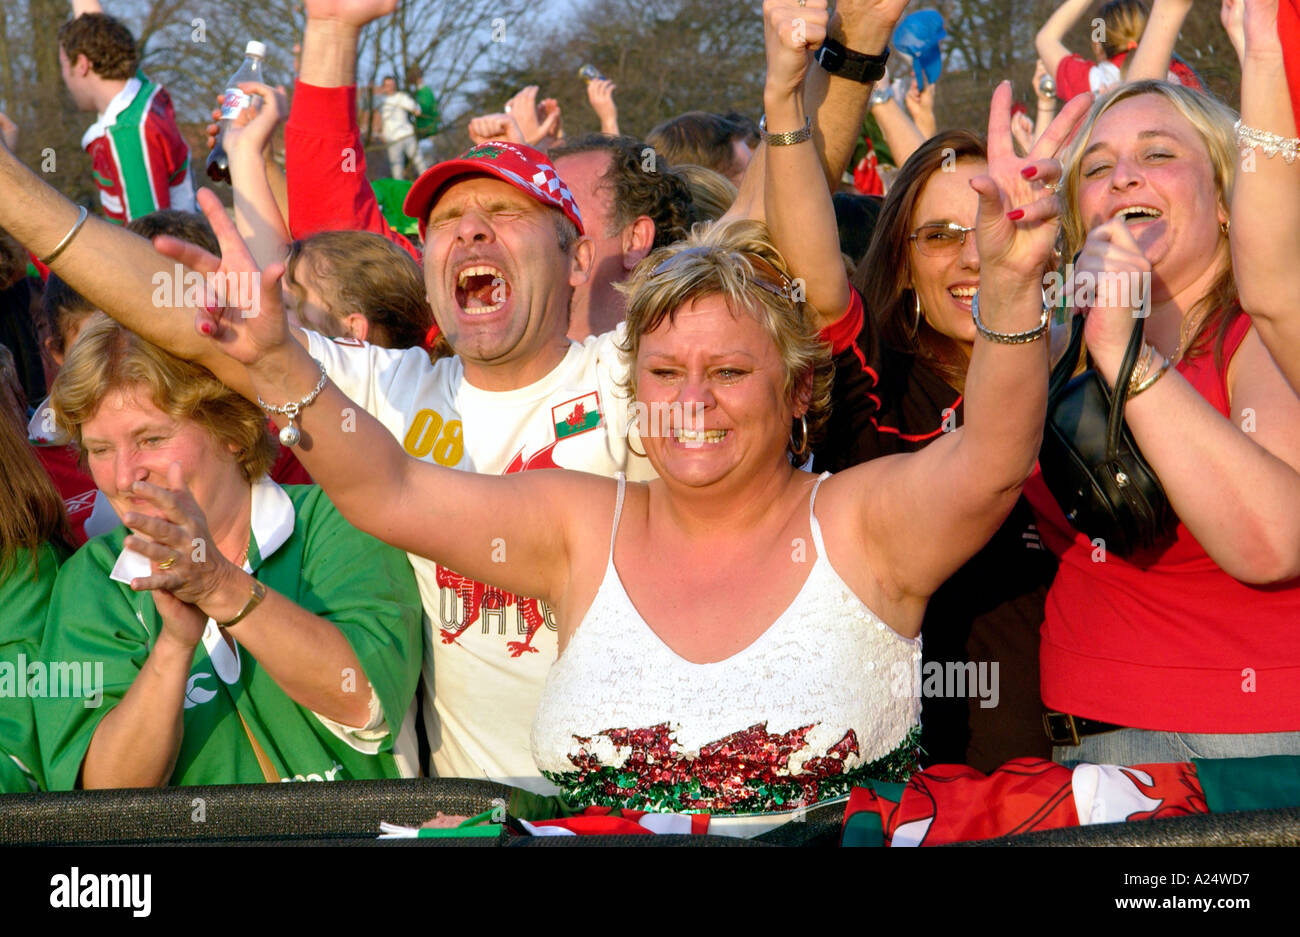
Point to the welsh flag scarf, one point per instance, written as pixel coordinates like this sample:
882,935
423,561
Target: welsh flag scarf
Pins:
956,803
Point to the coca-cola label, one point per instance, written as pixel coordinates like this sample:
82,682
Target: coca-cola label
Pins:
232,102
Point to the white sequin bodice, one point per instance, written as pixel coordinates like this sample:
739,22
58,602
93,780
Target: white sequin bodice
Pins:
824,691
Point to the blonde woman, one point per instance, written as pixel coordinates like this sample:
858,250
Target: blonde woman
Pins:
1188,650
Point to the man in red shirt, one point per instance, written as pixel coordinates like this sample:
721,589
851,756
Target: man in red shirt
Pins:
139,159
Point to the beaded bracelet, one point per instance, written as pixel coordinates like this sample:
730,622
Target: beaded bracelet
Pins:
1270,143
291,435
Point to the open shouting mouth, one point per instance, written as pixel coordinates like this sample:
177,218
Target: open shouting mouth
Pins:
481,289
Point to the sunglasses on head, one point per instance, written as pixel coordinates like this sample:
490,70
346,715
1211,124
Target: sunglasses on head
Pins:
766,276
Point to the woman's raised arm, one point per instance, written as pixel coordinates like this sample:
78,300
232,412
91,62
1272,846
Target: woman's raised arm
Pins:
1266,196
1050,40
800,214
510,530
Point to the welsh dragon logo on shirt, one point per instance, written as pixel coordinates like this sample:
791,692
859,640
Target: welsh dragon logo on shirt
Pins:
579,415
476,598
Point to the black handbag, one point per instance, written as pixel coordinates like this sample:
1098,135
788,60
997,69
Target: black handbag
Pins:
1089,460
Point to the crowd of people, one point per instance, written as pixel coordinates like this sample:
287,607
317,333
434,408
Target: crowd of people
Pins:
272,487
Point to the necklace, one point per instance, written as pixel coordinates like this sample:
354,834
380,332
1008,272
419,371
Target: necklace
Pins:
243,557
1184,332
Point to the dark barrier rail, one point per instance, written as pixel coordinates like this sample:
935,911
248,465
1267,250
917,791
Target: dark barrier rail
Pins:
1280,827
349,813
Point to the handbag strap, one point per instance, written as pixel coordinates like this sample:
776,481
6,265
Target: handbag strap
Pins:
1064,368
263,761
1115,425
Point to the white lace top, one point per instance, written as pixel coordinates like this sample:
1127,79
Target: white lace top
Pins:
822,699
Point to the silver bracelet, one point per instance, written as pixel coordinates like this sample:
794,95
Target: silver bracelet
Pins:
788,138
1270,143
67,238
290,435
1007,338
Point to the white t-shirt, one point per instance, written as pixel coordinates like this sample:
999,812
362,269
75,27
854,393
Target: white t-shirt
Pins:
395,112
487,652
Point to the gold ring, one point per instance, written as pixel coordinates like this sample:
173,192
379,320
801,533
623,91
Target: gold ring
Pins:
167,563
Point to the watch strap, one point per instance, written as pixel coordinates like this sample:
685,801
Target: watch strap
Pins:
789,138
256,594
835,58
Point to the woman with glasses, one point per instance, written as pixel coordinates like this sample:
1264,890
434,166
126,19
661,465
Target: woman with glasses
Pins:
736,635
900,388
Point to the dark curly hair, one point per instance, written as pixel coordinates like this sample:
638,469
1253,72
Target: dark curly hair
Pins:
105,41
640,184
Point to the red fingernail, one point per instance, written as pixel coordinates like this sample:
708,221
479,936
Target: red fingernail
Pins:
205,328
1016,215
1029,172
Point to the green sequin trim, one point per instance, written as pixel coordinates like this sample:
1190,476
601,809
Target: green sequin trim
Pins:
602,787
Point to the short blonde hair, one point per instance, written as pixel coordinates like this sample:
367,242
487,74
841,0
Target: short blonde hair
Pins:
1213,121
728,260
108,357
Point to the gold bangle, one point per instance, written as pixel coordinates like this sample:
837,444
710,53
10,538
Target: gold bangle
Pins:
1143,366
1160,372
67,238
256,594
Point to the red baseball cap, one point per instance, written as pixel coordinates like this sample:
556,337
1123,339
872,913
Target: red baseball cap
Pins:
525,168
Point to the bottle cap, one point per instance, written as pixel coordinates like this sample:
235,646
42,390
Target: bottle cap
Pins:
255,48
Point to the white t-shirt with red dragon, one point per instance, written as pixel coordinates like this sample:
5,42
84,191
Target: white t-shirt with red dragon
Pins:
487,651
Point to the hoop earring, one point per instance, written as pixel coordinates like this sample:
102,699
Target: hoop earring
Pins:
916,323
800,450
627,439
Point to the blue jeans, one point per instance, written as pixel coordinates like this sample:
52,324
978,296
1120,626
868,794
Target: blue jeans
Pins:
1144,746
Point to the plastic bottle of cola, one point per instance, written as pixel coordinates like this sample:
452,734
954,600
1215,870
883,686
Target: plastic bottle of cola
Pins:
232,102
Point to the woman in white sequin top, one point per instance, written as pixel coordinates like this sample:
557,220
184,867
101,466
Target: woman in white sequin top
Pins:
744,707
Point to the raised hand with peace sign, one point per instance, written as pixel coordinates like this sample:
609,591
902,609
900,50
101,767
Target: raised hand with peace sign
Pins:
1017,225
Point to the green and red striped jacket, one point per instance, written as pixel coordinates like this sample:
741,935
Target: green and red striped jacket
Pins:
140,161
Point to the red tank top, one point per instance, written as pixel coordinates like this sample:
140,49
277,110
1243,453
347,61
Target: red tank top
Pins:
1166,639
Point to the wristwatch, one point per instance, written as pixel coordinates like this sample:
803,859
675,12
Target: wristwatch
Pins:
788,138
854,66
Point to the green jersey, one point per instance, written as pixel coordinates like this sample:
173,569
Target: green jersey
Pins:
427,123
24,595
302,548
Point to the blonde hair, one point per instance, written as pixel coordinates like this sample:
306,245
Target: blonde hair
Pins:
1124,22
1213,121
107,357
728,260
711,192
